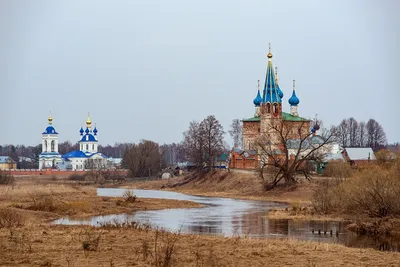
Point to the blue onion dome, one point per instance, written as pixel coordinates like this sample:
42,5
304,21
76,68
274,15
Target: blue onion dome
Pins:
95,131
81,131
280,93
88,138
87,130
257,101
50,130
294,100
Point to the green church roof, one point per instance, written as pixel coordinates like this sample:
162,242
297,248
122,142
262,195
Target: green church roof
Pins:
289,117
285,117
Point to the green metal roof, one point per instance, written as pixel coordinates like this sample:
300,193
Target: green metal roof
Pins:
254,119
285,117
288,117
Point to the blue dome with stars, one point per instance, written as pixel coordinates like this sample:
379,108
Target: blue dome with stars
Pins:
50,130
88,138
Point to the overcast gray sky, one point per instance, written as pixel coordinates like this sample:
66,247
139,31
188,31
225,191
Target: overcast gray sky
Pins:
145,69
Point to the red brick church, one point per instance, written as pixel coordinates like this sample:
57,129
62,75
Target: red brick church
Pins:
268,111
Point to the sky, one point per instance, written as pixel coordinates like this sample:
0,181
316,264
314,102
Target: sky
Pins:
145,69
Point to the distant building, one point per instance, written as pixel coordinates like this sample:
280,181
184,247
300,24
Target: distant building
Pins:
243,159
114,162
50,157
221,161
358,156
268,112
88,156
7,163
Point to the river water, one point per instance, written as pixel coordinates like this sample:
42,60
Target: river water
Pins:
231,217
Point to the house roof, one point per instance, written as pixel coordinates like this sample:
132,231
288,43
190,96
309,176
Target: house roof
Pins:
360,153
222,157
5,159
75,154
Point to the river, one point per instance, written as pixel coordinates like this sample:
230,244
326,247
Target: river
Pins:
232,217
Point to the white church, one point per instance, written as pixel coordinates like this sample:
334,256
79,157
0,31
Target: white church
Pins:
87,157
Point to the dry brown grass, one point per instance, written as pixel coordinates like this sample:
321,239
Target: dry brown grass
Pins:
39,244
62,246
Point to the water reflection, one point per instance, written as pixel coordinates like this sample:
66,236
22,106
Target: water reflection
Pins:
229,217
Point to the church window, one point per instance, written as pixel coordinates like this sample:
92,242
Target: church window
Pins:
52,146
268,108
87,147
275,108
93,147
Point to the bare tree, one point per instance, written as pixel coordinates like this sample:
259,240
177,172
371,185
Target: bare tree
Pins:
236,133
193,144
287,149
342,133
353,129
376,136
213,137
361,135
203,141
142,159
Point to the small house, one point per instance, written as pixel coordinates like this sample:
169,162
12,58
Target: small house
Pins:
358,156
7,163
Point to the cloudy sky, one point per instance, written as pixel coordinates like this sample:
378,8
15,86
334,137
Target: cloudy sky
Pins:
145,69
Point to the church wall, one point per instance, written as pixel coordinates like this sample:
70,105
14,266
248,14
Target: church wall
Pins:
250,133
294,126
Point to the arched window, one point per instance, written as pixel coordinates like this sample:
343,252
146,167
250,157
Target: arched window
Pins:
45,145
93,147
87,147
268,108
52,146
275,108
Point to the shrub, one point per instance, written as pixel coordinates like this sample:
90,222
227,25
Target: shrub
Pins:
10,219
76,177
129,196
325,198
166,250
6,178
338,169
90,240
374,192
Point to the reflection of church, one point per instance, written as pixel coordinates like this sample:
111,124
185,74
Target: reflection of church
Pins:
87,157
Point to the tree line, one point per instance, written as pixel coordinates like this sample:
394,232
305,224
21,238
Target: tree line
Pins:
351,133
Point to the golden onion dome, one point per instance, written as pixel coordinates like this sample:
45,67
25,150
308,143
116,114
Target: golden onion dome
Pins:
88,121
269,55
50,119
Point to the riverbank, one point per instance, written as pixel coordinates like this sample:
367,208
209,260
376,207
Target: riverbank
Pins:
39,200
36,243
250,187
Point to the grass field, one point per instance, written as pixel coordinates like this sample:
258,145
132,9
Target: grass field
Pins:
31,241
